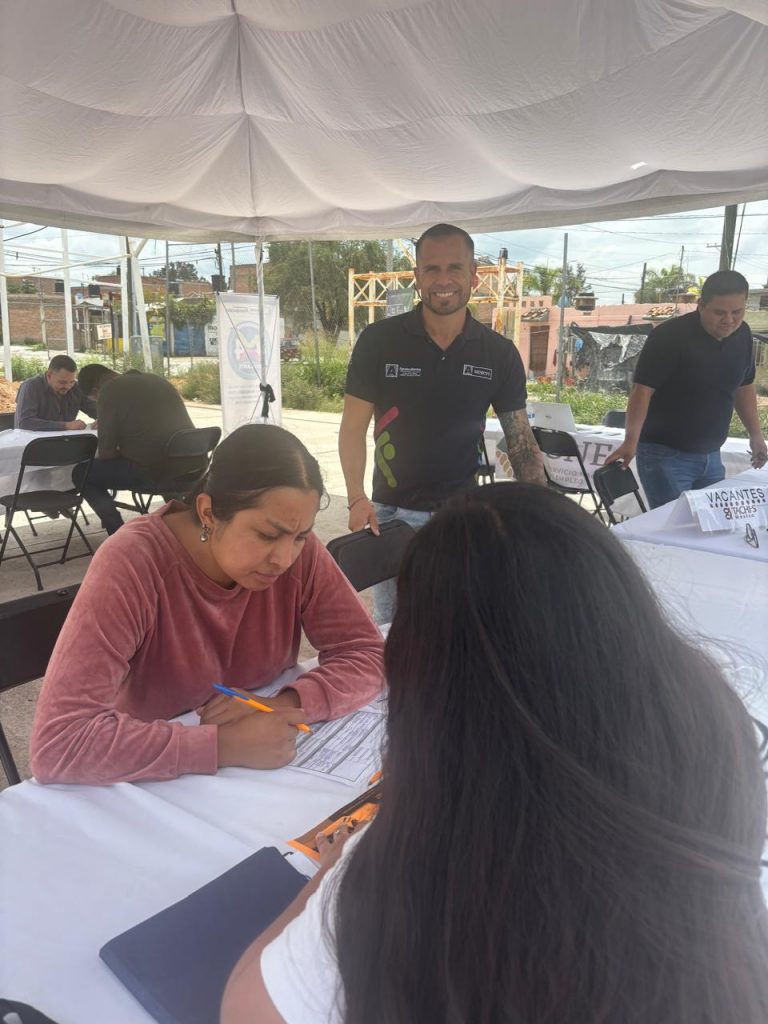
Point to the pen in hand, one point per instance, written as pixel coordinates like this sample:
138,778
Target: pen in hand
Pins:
253,703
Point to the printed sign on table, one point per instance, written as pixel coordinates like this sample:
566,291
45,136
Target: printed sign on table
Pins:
729,508
242,365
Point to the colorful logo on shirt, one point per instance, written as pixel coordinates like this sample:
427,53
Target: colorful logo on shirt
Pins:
384,450
484,372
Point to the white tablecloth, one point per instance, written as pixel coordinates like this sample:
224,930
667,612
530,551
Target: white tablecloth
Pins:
12,445
80,864
718,601
595,444
654,528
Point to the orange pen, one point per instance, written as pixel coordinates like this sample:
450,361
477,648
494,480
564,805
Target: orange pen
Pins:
253,703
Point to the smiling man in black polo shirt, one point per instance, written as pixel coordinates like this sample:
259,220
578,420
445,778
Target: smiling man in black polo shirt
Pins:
429,377
692,372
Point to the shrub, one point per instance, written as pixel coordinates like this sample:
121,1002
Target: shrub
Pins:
23,367
201,383
587,406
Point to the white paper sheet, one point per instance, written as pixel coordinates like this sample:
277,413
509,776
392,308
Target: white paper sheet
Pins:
347,749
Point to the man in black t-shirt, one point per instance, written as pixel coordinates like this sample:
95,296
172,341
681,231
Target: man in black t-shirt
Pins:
428,377
692,372
138,413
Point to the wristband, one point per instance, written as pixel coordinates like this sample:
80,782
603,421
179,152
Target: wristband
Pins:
361,497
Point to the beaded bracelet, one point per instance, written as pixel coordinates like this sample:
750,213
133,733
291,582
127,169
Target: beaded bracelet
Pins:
362,497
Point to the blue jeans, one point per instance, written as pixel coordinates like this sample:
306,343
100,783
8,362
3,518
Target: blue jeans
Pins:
109,475
385,594
666,472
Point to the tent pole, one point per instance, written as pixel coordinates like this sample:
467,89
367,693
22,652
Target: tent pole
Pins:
141,309
7,364
314,312
68,325
262,324
561,336
125,313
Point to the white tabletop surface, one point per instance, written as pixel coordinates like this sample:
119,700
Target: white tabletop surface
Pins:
79,864
719,602
12,445
655,528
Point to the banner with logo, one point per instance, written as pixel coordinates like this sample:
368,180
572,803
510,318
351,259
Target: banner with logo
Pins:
243,366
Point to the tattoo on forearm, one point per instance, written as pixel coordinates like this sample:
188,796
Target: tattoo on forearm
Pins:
524,454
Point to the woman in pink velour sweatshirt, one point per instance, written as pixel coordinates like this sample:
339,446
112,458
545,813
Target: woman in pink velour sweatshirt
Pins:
216,590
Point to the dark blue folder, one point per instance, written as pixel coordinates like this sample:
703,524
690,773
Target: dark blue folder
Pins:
177,963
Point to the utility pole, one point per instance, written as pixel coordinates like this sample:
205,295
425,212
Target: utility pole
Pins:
642,283
219,261
314,311
390,254
729,231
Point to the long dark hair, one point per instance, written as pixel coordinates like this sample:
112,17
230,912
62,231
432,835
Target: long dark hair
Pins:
573,804
253,459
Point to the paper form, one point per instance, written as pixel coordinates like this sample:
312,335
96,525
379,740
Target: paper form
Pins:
348,749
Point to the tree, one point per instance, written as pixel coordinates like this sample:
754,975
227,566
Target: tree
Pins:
20,287
660,284
545,280
287,275
178,270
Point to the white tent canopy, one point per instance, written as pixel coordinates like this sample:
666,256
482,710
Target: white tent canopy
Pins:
235,119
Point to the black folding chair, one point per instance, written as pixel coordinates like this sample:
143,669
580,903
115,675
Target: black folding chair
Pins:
611,483
69,450
486,471
196,442
6,420
29,628
366,559
559,444
615,418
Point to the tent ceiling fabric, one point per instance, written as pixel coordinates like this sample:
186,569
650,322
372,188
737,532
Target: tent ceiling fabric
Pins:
235,119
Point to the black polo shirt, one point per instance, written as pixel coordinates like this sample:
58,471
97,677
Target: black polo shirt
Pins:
430,405
695,378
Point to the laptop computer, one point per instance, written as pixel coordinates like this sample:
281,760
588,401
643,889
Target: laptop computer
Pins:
555,415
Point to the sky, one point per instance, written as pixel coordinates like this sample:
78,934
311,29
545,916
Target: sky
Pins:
613,252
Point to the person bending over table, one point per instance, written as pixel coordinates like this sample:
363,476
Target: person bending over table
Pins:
214,591
573,807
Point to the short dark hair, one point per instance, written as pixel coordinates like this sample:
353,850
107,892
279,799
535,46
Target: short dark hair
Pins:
442,231
62,363
92,376
254,459
724,282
